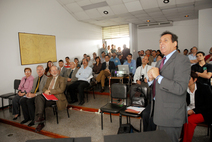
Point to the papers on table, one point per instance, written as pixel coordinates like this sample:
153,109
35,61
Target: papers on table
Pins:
136,110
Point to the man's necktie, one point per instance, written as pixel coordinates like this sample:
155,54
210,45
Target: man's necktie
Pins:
37,85
71,73
153,87
52,83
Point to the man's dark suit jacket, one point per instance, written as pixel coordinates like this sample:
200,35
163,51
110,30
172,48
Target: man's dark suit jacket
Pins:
201,103
138,62
111,66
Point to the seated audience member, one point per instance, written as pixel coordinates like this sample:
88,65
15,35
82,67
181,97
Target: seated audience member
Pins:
102,57
121,59
84,56
185,52
67,64
107,66
77,63
158,52
54,85
71,74
94,58
119,51
203,70
139,59
97,67
131,63
192,57
198,110
150,56
154,55
208,58
141,72
28,102
84,75
125,52
159,57
48,69
113,49
61,68
115,60
24,87
90,63
108,49
178,50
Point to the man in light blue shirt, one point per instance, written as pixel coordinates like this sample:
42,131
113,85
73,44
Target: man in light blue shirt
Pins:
192,57
84,75
131,63
115,60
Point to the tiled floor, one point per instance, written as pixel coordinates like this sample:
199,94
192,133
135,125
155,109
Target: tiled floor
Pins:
80,124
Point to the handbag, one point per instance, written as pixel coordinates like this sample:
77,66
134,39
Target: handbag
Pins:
138,98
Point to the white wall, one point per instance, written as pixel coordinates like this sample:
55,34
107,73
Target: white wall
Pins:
205,30
187,32
48,17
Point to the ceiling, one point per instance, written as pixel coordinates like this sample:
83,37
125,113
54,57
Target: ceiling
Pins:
133,11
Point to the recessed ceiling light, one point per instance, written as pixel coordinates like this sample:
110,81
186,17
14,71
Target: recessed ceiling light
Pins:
105,12
186,16
148,21
166,1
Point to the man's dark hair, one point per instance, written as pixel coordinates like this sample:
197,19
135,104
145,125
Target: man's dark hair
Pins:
154,51
130,54
84,54
88,56
107,55
142,50
200,52
85,59
103,52
174,37
193,75
160,55
76,59
186,50
61,61
67,57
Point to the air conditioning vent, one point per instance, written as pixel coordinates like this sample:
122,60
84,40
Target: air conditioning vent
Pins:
154,25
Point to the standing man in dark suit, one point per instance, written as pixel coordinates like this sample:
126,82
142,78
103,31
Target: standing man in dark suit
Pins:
62,69
107,66
54,85
28,102
170,79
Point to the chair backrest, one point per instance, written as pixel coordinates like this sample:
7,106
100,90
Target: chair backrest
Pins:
143,88
118,91
16,84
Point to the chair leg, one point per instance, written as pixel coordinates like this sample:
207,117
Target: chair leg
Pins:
56,112
110,118
120,120
93,93
67,112
127,119
2,103
102,120
140,124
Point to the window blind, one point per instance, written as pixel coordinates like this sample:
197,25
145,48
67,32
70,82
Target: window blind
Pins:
115,32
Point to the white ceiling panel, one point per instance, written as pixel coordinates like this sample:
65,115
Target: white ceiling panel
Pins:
147,4
171,4
81,15
74,7
93,13
114,2
119,9
133,6
97,1
83,2
133,11
64,2
106,8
